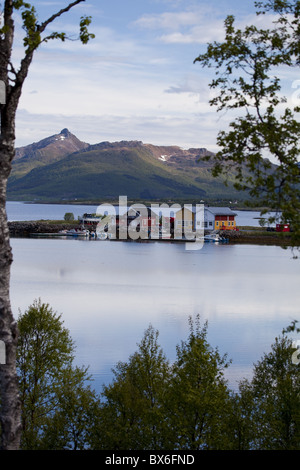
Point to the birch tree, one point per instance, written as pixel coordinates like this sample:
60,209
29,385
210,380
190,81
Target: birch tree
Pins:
262,142
13,77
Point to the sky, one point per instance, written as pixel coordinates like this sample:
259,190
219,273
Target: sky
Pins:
136,80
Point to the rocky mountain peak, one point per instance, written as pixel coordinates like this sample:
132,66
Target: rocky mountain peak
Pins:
65,132
51,148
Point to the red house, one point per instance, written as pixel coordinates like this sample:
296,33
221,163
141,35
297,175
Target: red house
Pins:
282,228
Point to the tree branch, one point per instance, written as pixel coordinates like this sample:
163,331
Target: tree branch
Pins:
26,61
44,25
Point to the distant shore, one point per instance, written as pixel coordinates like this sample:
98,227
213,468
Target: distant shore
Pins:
114,202
26,228
258,236
245,235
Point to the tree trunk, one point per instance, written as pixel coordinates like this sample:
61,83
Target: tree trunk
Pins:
10,417
10,413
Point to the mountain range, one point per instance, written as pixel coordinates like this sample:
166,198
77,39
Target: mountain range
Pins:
61,167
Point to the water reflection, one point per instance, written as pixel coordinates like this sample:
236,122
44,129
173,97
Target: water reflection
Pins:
109,292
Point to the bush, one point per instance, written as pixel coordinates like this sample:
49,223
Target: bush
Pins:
69,217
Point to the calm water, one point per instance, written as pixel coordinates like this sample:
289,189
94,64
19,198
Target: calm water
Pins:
22,211
109,292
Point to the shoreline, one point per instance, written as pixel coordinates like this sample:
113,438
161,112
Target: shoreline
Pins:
245,235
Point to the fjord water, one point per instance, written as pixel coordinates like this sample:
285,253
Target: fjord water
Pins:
108,293
19,211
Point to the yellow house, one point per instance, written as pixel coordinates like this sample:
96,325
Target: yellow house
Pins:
221,218
184,218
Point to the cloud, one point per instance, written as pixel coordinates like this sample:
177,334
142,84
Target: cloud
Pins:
168,20
192,84
197,25
129,83
121,86
190,130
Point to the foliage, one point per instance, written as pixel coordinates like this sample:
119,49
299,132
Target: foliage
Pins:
48,382
69,216
133,414
152,404
34,29
247,82
198,395
68,427
274,395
